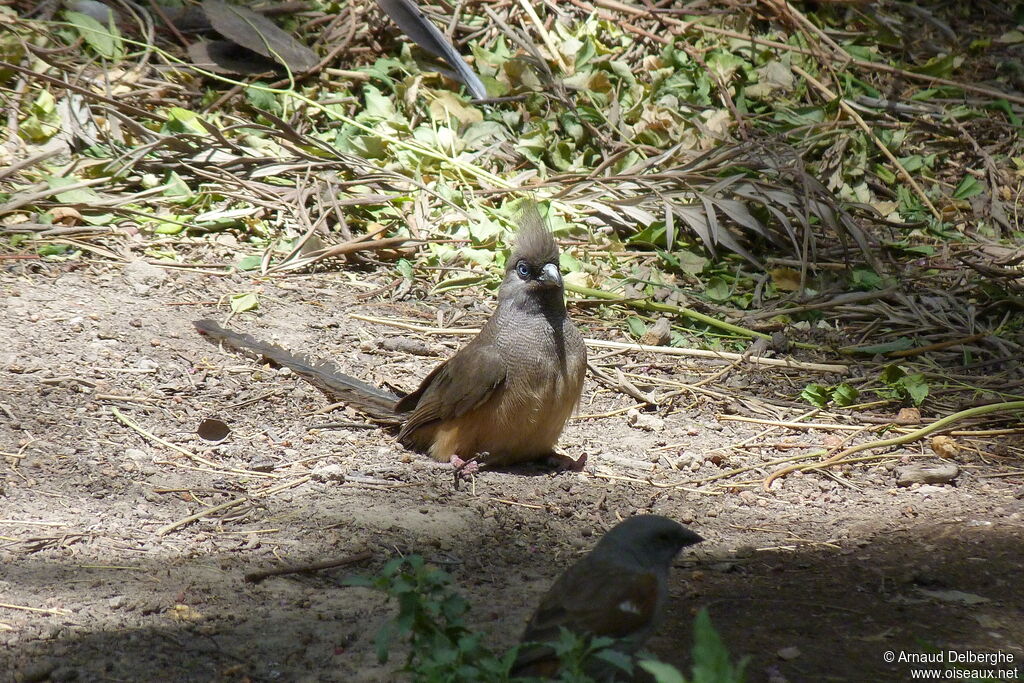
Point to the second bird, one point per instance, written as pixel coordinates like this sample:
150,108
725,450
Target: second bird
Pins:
505,396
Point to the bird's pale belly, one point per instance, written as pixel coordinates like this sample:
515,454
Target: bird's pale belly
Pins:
517,424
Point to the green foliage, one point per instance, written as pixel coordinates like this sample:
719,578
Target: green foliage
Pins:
817,395
53,249
43,121
674,154
431,619
81,195
259,97
181,120
637,327
717,289
577,654
866,279
968,187
242,302
821,396
105,41
250,262
903,386
711,662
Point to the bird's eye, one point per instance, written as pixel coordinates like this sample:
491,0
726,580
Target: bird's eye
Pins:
523,269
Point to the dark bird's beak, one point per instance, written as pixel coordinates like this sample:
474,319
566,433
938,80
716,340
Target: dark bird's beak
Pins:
550,275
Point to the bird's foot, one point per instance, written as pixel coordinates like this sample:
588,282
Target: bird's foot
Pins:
464,468
566,464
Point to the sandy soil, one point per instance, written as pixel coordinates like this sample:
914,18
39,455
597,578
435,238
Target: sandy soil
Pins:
815,580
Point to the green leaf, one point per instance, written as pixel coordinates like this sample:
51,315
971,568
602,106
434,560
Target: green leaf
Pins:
710,658
914,162
866,279
652,234
44,121
260,98
662,672
816,394
377,105
168,228
383,641
81,195
691,263
968,187
405,269
35,130
637,327
916,388
104,40
845,395
724,63
250,262
480,135
941,67
244,302
569,263
616,659
176,188
52,249
885,175
180,120
717,289
892,374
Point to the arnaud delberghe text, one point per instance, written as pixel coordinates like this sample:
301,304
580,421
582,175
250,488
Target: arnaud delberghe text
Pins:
957,657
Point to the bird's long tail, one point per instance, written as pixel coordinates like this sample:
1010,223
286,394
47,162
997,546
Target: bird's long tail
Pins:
376,403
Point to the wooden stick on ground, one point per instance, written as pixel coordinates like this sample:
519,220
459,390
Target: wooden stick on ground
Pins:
256,577
164,530
1008,406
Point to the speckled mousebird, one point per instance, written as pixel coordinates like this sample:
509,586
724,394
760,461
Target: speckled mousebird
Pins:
505,396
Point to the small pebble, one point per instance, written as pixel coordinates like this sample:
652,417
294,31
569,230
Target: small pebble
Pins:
788,653
331,473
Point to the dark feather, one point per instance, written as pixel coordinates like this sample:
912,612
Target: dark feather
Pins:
415,24
376,403
257,33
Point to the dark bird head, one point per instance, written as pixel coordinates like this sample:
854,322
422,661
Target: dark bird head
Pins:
652,541
532,276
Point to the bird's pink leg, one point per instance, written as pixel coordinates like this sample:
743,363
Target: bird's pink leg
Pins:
465,467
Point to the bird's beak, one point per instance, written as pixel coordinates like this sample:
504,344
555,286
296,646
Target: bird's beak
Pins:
550,275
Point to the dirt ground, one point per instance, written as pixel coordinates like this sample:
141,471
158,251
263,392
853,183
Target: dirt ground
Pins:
815,580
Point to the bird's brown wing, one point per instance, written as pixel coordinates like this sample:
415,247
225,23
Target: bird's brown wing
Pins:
603,600
460,384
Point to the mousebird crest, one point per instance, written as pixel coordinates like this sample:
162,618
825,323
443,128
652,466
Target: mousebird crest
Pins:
534,242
